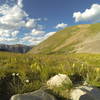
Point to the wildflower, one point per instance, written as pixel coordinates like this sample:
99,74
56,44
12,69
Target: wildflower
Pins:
13,74
82,65
97,69
73,65
17,74
27,81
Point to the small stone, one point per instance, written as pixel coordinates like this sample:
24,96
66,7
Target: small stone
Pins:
85,93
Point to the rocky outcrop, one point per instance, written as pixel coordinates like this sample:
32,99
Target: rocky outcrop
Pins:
37,95
59,80
18,48
85,93
78,93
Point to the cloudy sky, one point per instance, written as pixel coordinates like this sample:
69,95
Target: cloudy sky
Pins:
32,21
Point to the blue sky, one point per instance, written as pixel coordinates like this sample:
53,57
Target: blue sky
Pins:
57,11
32,21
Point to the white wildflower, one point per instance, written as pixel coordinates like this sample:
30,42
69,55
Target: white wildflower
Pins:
27,81
17,74
13,74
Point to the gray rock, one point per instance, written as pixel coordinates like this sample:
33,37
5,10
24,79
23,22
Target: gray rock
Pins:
58,80
85,93
37,95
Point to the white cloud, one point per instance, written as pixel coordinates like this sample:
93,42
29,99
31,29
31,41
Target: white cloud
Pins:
37,32
36,40
49,34
30,23
4,39
13,19
20,3
61,25
15,33
33,23
92,14
8,33
27,38
31,40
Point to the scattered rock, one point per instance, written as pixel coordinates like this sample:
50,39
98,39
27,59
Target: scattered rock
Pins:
59,80
85,93
37,95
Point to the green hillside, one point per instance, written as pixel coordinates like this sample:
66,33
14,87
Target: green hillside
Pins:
80,39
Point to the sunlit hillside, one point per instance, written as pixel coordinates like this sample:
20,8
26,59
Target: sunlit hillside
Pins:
80,39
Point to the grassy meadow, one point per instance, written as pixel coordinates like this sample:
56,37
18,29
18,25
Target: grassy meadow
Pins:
21,73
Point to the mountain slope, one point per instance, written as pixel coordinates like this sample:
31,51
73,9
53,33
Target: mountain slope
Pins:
18,48
81,38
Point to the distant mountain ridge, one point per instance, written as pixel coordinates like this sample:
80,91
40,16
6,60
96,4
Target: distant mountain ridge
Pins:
83,38
17,48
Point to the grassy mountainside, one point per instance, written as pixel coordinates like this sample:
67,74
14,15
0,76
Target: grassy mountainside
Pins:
81,39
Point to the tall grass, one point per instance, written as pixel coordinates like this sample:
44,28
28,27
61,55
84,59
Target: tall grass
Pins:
34,70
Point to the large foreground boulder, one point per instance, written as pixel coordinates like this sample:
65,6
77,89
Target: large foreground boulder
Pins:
85,93
37,95
59,80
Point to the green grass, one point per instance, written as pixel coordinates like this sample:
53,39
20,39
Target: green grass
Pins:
39,68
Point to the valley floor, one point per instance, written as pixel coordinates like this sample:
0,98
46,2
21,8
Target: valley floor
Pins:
21,73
